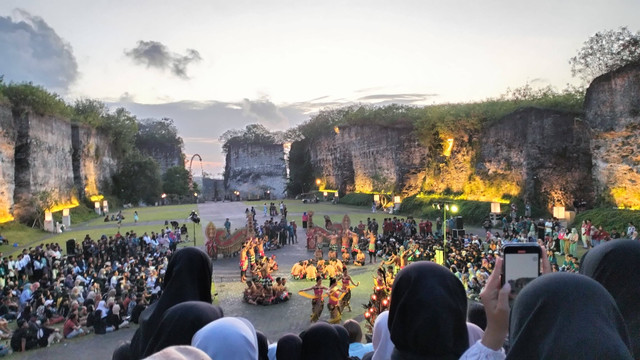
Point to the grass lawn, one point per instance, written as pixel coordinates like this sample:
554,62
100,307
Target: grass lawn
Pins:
20,234
25,236
178,213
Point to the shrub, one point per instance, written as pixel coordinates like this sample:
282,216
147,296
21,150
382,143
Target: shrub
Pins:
608,218
357,199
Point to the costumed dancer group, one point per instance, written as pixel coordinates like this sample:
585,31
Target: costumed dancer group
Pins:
339,297
261,289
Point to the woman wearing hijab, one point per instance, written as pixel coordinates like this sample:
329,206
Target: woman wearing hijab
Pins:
382,345
228,338
427,317
289,348
616,265
263,346
597,331
180,323
188,278
322,341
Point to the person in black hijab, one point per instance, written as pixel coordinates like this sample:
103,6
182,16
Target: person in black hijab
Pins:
263,346
427,318
188,278
289,348
180,323
616,265
566,316
322,341
343,336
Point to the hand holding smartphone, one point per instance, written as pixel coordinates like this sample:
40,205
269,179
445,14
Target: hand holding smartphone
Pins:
521,265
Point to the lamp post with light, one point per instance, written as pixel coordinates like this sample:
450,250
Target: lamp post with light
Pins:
445,206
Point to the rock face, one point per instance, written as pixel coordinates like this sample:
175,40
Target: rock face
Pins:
546,153
166,158
365,159
93,162
43,153
254,169
612,108
7,164
42,160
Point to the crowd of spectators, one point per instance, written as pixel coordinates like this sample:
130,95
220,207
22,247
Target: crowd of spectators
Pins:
429,317
101,286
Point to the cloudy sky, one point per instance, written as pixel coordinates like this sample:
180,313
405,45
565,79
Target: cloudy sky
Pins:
214,65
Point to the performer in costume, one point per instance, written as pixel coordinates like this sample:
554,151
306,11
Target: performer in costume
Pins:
354,245
333,247
244,263
372,247
335,295
347,284
317,299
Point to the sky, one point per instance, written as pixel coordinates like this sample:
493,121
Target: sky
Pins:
217,65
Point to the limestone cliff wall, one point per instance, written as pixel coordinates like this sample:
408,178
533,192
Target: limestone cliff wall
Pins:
370,158
612,107
44,153
93,161
42,160
7,165
545,153
540,155
253,169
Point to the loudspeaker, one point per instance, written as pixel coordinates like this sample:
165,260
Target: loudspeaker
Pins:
459,223
71,247
457,233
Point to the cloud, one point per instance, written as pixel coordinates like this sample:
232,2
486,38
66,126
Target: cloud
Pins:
33,51
264,111
154,54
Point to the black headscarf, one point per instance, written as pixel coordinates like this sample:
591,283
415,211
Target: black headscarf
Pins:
289,348
427,318
616,265
263,346
343,335
566,316
180,323
322,341
188,278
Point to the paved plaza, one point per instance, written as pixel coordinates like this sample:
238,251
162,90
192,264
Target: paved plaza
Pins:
273,321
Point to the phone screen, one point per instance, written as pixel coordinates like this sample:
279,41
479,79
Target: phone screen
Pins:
520,269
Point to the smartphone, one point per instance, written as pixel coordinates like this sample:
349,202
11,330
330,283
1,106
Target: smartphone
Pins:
521,265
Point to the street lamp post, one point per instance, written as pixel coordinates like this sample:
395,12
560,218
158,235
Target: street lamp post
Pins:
445,207
194,223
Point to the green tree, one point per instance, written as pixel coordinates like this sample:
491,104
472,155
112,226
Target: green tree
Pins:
122,128
605,51
26,96
158,135
138,179
176,181
89,111
252,134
